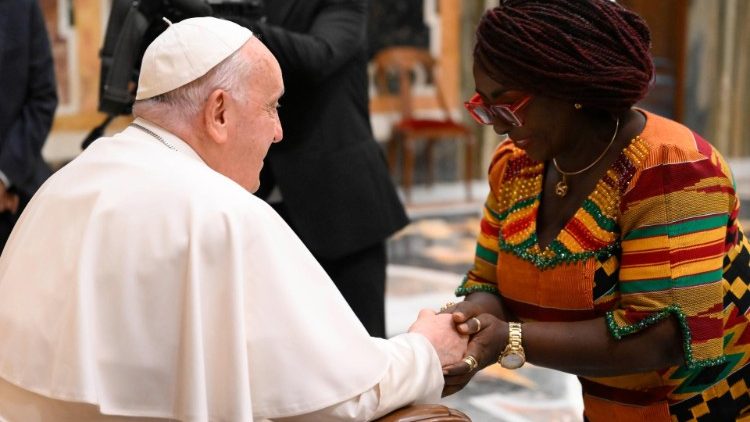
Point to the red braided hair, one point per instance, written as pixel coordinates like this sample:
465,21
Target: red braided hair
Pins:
593,52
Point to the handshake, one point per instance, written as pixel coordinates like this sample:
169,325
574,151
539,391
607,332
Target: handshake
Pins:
465,340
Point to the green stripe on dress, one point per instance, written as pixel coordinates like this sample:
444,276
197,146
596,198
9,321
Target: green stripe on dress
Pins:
677,229
660,284
486,254
493,213
602,220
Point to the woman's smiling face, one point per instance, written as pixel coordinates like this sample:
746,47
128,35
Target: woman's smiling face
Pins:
543,119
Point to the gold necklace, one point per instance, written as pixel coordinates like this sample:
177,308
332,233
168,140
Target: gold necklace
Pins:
561,188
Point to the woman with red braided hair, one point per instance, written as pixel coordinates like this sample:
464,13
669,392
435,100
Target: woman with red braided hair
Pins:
610,246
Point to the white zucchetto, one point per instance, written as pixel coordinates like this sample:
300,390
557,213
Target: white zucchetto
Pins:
187,50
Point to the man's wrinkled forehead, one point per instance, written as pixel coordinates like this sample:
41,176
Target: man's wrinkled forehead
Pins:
265,65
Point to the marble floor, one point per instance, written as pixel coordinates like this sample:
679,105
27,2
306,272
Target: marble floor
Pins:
426,263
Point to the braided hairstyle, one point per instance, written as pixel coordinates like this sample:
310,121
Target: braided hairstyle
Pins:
593,52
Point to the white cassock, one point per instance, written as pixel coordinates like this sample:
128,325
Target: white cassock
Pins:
144,283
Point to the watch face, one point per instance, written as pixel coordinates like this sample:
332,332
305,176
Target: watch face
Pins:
512,361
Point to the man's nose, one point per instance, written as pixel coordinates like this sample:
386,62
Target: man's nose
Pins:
278,133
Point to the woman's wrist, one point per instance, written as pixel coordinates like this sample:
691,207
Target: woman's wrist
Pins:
513,355
489,303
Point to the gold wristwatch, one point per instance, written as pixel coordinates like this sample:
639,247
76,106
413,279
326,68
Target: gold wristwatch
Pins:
513,357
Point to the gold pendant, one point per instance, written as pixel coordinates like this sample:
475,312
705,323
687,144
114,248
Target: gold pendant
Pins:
561,188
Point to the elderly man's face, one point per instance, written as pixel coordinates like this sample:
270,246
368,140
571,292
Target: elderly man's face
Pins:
256,124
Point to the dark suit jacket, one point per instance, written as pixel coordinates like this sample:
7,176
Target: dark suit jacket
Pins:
29,99
332,174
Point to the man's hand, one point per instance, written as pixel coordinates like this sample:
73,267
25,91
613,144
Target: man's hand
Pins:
440,331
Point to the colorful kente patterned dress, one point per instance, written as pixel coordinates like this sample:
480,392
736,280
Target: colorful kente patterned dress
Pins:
658,236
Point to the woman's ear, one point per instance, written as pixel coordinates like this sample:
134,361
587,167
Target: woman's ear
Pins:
215,117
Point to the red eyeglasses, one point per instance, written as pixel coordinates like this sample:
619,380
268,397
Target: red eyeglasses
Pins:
486,114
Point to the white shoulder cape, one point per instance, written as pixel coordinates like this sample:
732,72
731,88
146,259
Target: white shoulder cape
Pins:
144,282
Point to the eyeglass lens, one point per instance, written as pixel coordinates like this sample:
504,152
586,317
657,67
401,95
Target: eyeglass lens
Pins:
485,114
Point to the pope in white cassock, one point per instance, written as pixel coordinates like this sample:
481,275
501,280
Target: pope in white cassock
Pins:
144,282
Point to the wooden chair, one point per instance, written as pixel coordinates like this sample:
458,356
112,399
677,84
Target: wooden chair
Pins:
425,413
415,69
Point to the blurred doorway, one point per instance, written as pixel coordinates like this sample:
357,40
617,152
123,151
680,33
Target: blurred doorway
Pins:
667,20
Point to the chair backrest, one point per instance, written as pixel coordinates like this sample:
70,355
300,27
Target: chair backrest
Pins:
402,71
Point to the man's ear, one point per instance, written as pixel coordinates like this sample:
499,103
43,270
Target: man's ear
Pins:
215,116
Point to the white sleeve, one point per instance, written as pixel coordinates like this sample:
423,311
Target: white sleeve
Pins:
414,375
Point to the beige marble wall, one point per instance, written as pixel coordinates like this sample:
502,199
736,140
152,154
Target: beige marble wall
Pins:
76,30
60,50
717,102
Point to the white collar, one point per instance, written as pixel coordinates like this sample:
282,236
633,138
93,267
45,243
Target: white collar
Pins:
162,135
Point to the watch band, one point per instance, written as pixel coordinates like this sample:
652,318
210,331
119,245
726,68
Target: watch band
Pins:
513,357
515,336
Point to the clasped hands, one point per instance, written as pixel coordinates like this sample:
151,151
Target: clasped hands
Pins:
466,340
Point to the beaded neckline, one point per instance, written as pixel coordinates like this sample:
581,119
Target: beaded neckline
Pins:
591,232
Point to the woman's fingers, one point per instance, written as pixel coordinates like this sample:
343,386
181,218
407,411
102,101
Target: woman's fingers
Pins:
488,336
458,368
456,377
474,324
465,311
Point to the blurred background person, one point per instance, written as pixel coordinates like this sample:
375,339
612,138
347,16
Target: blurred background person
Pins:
27,108
329,179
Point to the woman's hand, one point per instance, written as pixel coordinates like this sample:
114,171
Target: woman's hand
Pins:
478,303
488,338
462,311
